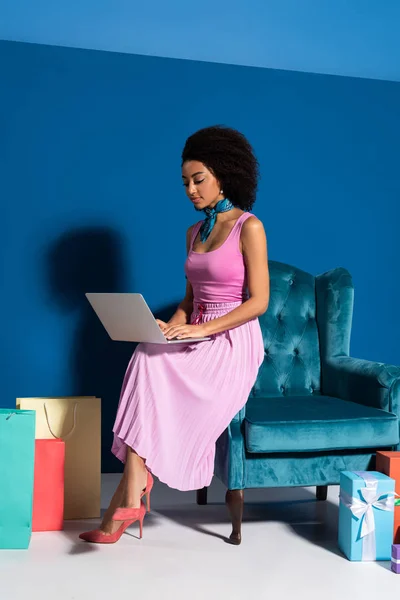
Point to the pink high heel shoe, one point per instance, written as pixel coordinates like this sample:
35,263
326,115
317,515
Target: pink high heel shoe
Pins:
96,536
126,514
147,489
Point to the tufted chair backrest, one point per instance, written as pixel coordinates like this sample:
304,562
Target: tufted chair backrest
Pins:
292,361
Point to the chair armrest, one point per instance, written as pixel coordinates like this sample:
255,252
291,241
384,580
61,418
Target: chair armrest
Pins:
365,382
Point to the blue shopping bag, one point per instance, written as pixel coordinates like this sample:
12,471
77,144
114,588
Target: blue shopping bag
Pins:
17,455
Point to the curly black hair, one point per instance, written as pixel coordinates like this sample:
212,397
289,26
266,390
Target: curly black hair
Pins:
230,157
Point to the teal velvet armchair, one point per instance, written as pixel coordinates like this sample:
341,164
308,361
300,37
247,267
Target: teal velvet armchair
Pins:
314,411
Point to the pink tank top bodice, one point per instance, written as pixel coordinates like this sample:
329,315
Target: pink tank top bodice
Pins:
219,275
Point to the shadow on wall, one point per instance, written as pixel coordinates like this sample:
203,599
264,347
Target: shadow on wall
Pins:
92,260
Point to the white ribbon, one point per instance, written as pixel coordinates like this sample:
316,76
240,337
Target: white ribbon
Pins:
363,508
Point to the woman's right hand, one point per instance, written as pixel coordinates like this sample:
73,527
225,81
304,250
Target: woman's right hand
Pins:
162,324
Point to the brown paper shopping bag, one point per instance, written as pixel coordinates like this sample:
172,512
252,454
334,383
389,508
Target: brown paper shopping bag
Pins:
77,421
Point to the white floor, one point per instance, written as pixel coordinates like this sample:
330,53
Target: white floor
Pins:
288,551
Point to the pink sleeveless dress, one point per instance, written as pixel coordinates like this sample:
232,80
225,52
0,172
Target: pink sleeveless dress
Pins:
177,399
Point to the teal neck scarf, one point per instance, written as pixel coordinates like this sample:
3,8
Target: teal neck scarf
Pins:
211,217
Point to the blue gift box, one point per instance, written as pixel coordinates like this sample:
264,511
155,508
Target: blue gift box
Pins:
366,515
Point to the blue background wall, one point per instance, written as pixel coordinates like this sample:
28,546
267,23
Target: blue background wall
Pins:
90,162
359,38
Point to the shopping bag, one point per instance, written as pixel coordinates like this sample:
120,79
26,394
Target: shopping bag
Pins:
48,489
17,454
77,421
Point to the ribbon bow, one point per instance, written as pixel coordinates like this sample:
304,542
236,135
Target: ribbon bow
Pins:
364,507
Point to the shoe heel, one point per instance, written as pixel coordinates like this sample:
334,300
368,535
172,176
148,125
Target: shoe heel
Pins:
148,501
141,527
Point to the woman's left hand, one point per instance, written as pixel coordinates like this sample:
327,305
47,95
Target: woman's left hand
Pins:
181,332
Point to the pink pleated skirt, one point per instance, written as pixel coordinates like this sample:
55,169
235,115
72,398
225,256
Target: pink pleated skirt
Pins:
177,399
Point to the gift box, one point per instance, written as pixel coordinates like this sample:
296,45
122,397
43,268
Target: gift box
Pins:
389,464
17,453
366,515
48,491
395,558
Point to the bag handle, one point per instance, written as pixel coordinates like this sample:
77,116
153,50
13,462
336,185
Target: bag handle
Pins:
73,426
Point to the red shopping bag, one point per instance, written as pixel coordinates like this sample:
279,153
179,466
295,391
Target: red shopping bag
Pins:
48,493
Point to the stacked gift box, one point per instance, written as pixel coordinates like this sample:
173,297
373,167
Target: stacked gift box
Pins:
395,560
389,463
369,512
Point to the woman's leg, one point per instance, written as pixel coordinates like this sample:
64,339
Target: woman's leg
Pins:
109,526
136,479
128,491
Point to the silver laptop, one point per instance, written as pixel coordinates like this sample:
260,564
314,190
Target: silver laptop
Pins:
127,318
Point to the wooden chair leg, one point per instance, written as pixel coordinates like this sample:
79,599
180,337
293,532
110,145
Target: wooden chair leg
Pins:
235,501
322,492
202,496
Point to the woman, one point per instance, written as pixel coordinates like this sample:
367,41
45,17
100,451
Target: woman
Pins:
177,399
